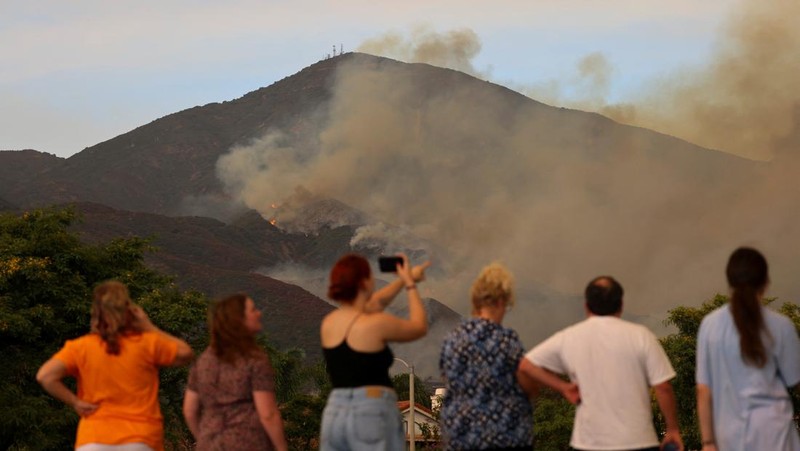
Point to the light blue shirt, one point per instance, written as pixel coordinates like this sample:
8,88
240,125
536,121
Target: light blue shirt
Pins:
752,409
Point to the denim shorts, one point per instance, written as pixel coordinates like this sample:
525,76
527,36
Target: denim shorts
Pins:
362,419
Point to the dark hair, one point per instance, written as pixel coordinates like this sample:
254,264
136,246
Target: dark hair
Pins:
747,274
111,314
230,340
347,277
604,296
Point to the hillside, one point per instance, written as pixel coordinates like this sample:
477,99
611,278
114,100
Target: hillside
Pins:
424,353
167,165
217,259
364,153
155,167
17,167
6,205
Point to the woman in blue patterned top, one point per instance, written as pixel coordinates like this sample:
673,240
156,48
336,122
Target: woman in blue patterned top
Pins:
487,403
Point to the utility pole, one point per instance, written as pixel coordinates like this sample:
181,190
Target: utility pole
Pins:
412,428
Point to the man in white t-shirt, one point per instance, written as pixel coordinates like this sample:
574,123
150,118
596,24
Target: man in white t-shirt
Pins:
612,364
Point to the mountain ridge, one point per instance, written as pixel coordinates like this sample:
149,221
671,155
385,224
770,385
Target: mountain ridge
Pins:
123,172
160,179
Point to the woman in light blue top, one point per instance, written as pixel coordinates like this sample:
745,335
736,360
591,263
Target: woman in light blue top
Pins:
747,358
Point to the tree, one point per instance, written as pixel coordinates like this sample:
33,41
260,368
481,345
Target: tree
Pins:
46,278
553,417
302,418
681,349
422,394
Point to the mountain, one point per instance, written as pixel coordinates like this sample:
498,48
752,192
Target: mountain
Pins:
218,259
156,167
164,166
424,353
18,166
406,157
6,205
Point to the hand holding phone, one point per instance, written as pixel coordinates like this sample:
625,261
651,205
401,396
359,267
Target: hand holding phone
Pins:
389,264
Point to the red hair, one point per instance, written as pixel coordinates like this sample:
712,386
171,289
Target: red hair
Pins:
347,277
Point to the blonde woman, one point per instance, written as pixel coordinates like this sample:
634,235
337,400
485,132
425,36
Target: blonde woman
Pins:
116,367
486,405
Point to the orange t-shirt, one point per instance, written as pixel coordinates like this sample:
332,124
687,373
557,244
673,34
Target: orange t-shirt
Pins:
124,386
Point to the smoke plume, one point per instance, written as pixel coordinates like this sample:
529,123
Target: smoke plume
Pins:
743,101
453,49
558,196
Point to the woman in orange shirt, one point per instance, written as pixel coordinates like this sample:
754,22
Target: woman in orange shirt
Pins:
116,366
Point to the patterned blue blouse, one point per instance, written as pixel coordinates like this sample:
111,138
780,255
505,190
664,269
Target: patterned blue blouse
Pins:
484,406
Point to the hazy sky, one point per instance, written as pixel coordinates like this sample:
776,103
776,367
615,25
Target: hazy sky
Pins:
77,73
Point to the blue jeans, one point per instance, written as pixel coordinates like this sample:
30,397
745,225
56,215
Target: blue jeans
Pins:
362,419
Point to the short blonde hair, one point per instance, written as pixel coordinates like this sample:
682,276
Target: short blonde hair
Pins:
495,283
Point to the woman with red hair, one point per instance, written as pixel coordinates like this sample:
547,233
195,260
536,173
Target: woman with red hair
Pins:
361,413
230,398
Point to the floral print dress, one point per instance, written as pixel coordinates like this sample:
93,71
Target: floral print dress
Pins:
484,406
228,417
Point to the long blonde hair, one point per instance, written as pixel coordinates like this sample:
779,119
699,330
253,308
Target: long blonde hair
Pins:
111,314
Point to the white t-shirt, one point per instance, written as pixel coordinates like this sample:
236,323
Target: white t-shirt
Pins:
614,362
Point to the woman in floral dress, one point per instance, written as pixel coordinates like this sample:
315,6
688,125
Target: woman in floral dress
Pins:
486,405
230,398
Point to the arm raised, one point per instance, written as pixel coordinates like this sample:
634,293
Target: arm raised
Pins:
393,328
380,299
184,354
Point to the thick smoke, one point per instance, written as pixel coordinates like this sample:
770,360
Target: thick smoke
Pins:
742,102
559,196
454,49
586,89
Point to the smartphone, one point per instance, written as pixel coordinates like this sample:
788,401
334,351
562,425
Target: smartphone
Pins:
389,264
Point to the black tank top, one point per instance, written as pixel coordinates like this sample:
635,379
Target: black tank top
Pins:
348,368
